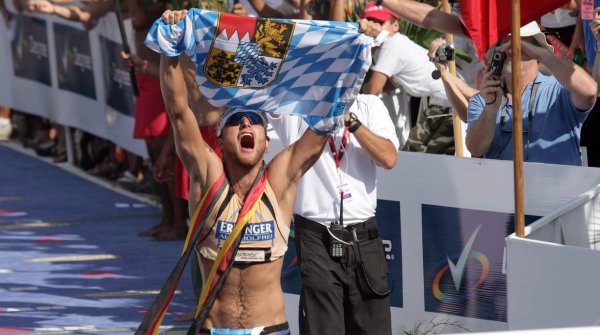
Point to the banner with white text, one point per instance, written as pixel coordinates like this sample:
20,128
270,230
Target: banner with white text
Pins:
55,69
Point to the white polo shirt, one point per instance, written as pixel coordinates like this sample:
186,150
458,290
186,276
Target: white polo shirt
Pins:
408,65
318,196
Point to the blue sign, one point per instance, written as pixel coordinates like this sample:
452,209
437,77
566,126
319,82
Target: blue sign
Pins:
463,251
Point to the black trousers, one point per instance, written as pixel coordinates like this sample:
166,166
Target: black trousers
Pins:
334,298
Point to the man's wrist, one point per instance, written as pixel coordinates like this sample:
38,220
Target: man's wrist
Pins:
491,107
353,122
491,102
354,126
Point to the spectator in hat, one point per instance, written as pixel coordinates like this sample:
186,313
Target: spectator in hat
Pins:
554,107
407,66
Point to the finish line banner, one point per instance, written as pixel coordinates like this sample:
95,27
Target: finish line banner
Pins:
55,69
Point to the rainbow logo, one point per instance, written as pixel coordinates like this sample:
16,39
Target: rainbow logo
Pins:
460,296
457,270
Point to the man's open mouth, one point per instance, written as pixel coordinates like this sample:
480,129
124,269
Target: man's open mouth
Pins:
247,141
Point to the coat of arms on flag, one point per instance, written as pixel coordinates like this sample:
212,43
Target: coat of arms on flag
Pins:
247,52
309,68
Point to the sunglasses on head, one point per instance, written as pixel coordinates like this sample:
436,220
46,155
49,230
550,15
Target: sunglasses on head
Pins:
236,119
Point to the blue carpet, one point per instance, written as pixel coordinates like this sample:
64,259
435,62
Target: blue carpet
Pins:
70,258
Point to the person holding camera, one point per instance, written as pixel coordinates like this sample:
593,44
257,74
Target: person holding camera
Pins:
458,91
407,66
554,107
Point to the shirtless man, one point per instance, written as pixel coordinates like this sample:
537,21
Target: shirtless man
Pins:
252,296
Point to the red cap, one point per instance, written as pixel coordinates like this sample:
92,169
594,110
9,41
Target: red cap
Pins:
372,11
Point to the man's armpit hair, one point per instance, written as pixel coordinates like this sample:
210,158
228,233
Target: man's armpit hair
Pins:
208,147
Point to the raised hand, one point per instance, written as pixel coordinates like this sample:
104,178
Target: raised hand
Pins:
134,61
239,9
490,89
369,28
173,16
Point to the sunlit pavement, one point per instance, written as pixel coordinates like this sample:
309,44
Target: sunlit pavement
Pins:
70,258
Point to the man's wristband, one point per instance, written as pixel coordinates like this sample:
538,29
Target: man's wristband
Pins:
490,103
355,126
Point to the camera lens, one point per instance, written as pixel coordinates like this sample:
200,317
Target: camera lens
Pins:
497,56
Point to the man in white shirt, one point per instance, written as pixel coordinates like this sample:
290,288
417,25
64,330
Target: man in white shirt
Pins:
336,298
407,65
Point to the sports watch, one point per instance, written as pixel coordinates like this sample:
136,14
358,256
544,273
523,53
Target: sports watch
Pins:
353,123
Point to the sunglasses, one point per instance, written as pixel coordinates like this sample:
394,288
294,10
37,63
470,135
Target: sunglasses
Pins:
236,119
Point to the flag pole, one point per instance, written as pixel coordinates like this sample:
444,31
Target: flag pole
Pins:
456,122
517,118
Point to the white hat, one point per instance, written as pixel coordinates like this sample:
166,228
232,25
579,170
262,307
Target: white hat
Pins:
531,29
234,110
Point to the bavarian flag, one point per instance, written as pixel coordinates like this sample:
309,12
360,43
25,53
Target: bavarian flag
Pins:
310,68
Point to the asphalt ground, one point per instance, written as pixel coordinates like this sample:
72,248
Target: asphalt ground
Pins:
70,258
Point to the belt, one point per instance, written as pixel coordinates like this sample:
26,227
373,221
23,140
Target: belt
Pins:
366,230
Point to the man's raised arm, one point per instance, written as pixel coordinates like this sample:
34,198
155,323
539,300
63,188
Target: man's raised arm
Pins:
197,157
288,166
427,16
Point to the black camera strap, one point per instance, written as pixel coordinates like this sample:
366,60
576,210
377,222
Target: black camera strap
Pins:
535,85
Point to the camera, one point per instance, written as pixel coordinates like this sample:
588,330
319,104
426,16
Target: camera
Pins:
444,53
497,63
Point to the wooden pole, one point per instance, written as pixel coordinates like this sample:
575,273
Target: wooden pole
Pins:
456,122
517,119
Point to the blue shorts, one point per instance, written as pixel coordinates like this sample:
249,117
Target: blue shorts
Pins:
280,329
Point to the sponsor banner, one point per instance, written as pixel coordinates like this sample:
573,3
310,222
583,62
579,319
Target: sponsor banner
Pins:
30,50
388,221
74,65
117,82
463,256
55,69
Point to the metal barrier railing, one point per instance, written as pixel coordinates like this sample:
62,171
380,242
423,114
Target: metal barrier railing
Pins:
576,224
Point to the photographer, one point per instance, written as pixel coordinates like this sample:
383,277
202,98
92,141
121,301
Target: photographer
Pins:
552,120
407,66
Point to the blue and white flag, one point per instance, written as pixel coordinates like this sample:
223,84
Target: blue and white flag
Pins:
311,68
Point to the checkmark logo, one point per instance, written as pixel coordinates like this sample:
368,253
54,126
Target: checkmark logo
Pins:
457,270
